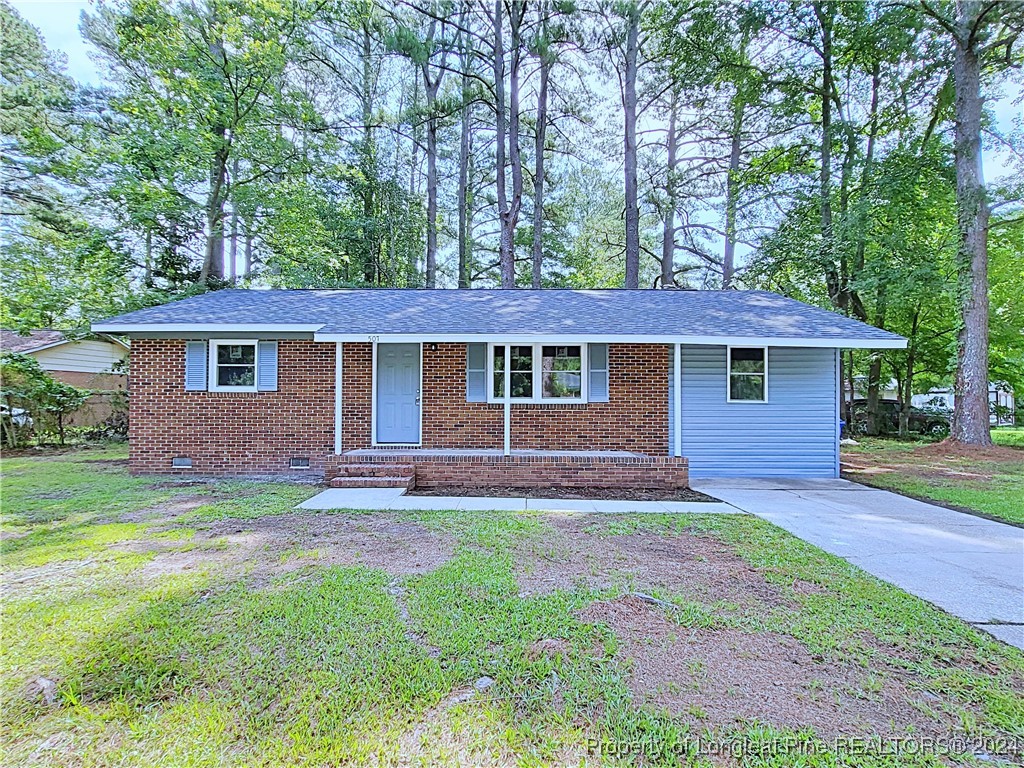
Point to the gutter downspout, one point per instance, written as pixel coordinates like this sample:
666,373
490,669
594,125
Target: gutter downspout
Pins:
508,403
677,398
337,397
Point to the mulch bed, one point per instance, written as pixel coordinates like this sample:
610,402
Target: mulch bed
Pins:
557,492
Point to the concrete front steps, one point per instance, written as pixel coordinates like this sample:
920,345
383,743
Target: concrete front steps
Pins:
391,475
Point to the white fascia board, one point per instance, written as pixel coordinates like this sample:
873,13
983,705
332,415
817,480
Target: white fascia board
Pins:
51,345
205,327
580,338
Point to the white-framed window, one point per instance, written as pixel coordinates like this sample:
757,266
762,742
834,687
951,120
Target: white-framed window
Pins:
233,365
748,375
561,372
537,373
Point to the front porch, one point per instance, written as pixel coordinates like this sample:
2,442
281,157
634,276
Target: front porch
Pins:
433,467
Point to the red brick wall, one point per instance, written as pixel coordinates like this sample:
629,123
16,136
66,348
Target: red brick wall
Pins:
634,419
230,432
246,433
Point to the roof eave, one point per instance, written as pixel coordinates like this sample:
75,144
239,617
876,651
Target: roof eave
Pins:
136,327
896,342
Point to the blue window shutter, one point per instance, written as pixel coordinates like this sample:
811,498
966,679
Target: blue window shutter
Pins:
476,373
195,366
597,359
266,366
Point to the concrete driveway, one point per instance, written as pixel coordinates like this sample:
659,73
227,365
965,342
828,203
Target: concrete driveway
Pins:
967,565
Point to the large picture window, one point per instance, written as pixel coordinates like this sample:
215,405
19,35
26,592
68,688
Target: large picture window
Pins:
748,374
233,366
538,372
562,372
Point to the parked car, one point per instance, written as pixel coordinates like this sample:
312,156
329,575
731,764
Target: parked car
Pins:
18,416
927,421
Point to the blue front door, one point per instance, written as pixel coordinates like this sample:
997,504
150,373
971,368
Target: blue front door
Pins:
398,393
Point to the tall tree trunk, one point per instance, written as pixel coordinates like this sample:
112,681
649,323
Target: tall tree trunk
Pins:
832,278
368,159
431,85
515,19
629,141
213,257
248,254
431,265
866,173
465,50
908,377
233,252
668,235
874,423
971,408
414,135
538,175
506,258
147,275
732,192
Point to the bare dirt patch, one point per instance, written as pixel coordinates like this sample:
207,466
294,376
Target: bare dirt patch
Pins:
168,510
935,461
705,569
719,678
560,492
280,543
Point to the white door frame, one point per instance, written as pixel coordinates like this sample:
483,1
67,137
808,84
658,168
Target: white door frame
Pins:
373,401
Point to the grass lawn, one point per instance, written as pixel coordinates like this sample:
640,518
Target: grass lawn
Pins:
152,623
1011,436
990,482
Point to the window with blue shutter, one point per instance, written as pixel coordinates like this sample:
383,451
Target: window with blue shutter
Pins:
476,373
195,366
266,367
598,373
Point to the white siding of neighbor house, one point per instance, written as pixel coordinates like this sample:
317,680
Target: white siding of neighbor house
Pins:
87,356
794,434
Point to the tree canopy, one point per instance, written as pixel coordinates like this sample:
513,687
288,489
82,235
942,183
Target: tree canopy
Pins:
820,149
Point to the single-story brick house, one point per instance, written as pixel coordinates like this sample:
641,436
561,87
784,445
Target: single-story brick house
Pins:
627,388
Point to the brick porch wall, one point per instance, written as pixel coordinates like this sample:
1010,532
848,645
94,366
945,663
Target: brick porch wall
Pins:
230,432
431,471
634,419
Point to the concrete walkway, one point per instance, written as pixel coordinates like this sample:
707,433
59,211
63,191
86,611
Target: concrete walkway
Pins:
970,566
394,499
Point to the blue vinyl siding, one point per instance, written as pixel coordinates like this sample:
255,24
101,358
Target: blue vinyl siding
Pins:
794,434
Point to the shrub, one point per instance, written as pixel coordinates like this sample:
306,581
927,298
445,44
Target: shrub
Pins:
24,385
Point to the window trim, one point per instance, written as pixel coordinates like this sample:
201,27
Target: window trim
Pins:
538,373
211,374
729,374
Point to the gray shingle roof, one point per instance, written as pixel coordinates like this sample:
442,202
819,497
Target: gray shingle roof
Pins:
756,314
11,341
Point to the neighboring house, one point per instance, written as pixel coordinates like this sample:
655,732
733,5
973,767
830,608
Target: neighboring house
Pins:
887,390
513,387
85,362
1000,397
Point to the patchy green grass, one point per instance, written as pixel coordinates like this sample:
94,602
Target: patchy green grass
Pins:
1009,436
991,483
212,626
